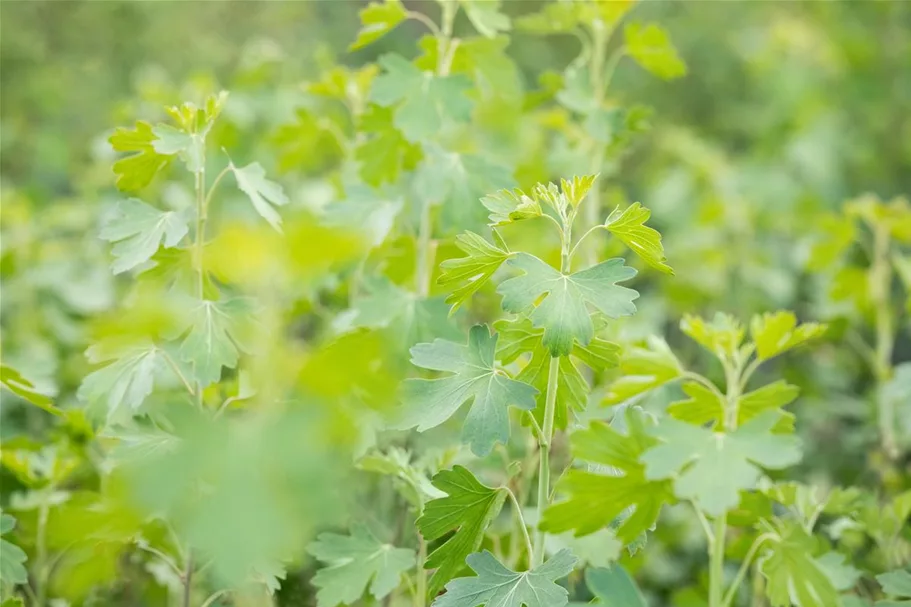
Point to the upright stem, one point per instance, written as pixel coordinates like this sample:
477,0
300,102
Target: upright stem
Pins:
424,263
420,596
600,35
544,441
199,245
732,373
188,581
881,273
41,565
716,561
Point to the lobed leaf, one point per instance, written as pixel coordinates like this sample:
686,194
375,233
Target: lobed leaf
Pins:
778,332
377,20
471,272
263,194
467,509
651,48
139,230
629,226
137,170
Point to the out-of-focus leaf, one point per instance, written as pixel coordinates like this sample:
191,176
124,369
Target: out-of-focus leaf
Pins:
217,329
778,332
651,47
427,101
377,20
614,587
793,575
643,369
467,509
189,147
430,402
139,229
137,170
12,557
722,336
13,381
126,381
711,468
383,152
486,17
354,562
263,193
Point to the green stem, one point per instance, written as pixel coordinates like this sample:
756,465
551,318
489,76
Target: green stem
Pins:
744,567
424,252
881,274
600,37
420,595
41,565
550,405
214,597
187,581
716,561
518,508
198,246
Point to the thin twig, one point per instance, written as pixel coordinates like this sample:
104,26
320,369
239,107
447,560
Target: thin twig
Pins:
214,597
709,536
515,502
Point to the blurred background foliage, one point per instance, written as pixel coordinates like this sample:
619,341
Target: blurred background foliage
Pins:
789,109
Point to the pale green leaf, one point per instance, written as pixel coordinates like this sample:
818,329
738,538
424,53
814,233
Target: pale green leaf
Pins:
189,147
12,557
614,587
262,192
426,102
430,402
643,369
614,487
137,170
13,381
497,586
711,468
836,235
354,562
554,18
705,406
217,329
383,151
896,583
377,20
777,332
468,274
409,479
839,569
123,383
650,47
793,575
486,17
139,230
629,226
507,206
366,211
563,313
576,189
467,509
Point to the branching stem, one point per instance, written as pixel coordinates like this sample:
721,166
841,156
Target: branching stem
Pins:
518,508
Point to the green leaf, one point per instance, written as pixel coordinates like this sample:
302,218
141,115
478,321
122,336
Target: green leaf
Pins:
139,230
563,313
368,212
384,151
468,274
652,49
838,568
705,405
467,509
430,402
263,193
896,583
722,336
793,576
519,337
377,20
554,18
123,383
614,587
486,17
629,226
12,557
409,319
409,479
614,487
836,235
13,381
457,181
507,206
642,370
216,330
576,189
427,101
778,332
137,170
354,561
189,147
711,468
497,586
